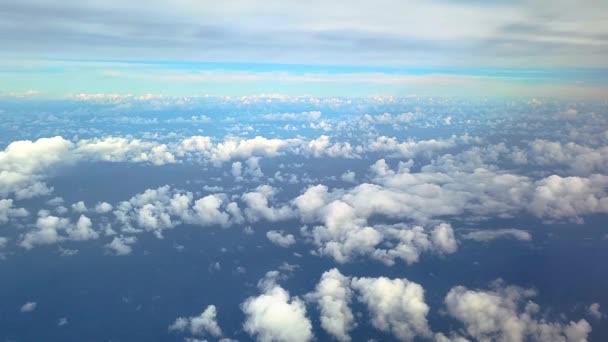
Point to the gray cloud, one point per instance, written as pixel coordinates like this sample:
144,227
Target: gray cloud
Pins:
390,33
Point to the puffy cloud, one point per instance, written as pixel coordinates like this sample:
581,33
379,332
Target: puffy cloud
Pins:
79,207
312,115
493,234
333,296
576,331
443,237
234,148
444,189
505,313
121,245
237,170
409,149
208,212
253,167
346,234
395,305
281,239
8,211
51,229
233,209
180,324
578,159
35,189
103,208
380,168
23,165
47,231
311,201
409,242
390,118
349,176
83,230
416,201
115,149
118,149
558,197
198,144
203,148
318,146
276,316
156,210
257,203
28,307
157,155
449,186
203,324
322,146
25,179
594,311
432,193
152,216
279,176
32,157
322,125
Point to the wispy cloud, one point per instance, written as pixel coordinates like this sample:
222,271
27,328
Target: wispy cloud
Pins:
337,48
495,33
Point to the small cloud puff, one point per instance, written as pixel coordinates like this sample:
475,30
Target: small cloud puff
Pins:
28,307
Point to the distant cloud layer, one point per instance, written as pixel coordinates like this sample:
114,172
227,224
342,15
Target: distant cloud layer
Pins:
461,178
472,32
185,47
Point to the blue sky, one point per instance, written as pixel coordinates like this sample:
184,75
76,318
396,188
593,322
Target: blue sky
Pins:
60,78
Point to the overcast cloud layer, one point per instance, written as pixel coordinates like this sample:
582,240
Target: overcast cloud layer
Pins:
492,33
454,48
